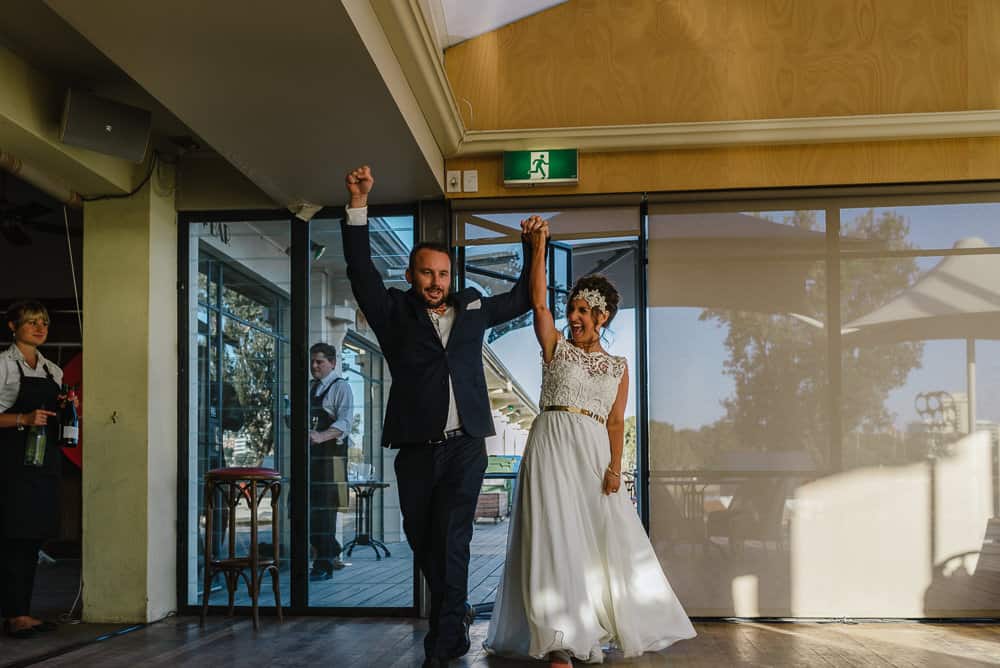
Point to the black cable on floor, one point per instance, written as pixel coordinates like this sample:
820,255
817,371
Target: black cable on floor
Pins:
30,661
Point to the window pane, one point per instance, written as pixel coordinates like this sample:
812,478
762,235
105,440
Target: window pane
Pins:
924,227
391,242
239,372
738,399
505,227
493,270
919,486
514,375
351,567
738,366
560,277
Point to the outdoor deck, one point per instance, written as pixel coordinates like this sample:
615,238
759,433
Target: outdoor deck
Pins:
388,583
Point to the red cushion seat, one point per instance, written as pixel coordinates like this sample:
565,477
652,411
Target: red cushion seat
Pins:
243,473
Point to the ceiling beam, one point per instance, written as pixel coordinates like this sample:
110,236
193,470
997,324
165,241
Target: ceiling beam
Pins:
411,36
30,110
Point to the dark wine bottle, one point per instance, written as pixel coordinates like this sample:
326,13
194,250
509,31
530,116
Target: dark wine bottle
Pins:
69,420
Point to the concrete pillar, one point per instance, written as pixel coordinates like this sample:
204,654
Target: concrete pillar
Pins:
130,416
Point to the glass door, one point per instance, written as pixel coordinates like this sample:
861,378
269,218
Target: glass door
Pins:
239,350
584,242
358,553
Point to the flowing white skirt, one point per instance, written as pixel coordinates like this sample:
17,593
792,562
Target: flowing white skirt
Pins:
580,571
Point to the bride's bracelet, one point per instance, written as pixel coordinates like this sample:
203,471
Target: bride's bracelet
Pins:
614,472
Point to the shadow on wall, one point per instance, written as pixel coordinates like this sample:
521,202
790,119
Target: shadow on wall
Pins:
910,541
867,543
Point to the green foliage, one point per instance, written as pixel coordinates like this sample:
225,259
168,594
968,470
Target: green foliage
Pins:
629,451
249,362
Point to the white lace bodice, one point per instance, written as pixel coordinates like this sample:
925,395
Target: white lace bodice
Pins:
581,379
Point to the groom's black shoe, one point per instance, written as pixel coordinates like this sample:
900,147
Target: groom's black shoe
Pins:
465,642
321,570
467,619
435,662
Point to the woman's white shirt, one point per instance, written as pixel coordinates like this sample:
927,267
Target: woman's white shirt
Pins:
10,379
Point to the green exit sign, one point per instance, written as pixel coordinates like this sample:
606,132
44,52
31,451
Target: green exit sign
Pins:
540,167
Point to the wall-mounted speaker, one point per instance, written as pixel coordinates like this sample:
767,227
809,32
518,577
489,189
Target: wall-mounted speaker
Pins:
105,126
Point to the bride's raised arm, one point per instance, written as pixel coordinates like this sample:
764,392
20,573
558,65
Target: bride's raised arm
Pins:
537,231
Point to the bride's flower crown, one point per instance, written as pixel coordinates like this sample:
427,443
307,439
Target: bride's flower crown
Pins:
593,298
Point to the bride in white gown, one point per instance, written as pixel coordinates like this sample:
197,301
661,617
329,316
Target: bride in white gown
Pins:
580,573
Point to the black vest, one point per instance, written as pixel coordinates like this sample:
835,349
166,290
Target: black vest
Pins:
319,419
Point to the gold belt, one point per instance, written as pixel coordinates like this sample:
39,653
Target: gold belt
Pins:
578,411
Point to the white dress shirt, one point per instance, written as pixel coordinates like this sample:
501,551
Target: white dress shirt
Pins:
10,379
338,403
442,323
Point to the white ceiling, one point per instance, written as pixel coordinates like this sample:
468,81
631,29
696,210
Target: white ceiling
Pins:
286,92
459,20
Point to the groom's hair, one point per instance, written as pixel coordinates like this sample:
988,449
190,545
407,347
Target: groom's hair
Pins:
433,246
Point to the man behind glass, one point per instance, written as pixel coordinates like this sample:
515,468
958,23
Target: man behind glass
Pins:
331,413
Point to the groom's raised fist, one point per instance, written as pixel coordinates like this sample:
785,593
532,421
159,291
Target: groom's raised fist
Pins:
359,183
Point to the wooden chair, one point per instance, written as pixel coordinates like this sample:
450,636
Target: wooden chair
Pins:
235,485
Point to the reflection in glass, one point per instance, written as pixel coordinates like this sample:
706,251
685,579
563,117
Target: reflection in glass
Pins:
475,228
493,270
923,227
755,509
240,334
912,355
359,578
738,377
738,399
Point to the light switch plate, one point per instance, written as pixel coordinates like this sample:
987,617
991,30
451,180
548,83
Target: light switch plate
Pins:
453,181
470,181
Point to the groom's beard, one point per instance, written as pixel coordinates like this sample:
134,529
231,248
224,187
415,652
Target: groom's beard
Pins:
433,303
431,306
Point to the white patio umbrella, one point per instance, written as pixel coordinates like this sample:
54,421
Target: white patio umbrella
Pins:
714,260
958,299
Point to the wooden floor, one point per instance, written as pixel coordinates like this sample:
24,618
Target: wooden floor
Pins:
397,643
56,587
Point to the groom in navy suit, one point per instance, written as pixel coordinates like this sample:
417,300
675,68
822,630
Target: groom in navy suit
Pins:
439,413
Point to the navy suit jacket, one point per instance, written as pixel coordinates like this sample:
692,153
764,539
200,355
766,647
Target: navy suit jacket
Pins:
420,365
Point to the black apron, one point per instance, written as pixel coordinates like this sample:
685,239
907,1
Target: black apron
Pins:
328,465
31,493
319,419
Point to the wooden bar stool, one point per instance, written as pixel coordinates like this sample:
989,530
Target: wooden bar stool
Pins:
242,484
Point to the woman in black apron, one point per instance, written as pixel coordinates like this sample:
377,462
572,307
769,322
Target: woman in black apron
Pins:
29,479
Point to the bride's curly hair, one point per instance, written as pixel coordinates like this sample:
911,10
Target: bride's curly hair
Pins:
602,285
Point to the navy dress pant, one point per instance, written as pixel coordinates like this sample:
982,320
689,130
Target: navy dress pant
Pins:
439,487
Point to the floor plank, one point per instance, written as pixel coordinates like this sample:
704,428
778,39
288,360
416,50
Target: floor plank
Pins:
398,643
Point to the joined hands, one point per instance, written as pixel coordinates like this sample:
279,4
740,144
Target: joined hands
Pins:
535,230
